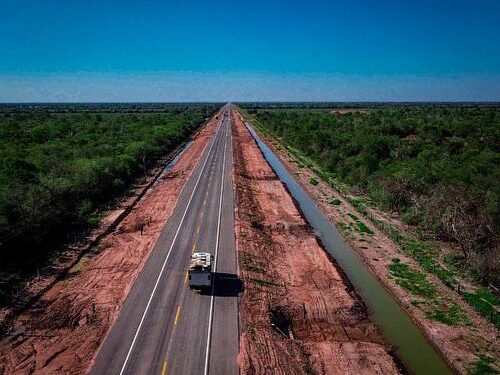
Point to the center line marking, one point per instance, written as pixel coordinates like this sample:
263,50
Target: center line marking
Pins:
164,369
177,315
217,238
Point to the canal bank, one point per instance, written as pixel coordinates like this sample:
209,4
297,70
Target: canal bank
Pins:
416,353
298,312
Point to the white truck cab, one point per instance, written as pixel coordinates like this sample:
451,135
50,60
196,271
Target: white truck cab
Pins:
200,270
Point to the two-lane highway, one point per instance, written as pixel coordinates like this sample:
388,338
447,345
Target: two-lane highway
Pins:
164,327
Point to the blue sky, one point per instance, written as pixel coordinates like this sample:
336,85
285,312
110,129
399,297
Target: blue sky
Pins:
186,50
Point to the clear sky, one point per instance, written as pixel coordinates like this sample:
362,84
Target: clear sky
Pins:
190,50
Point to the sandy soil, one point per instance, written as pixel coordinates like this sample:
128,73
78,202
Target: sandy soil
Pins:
458,345
62,332
320,325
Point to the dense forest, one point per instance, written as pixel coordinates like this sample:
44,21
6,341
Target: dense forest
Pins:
59,165
437,165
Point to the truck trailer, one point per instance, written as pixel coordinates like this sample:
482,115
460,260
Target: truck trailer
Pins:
200,270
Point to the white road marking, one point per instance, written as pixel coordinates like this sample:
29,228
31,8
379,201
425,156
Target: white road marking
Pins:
168,254
171,338
210,319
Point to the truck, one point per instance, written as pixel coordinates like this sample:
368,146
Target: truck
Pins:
200,270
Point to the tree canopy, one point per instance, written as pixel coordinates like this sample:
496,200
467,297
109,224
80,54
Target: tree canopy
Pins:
437,165
57,169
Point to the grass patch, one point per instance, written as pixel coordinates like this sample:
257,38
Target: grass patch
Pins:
413,281
416,303
435,307
485,303
359,204
484,366
449,313
363,228
343,226
313,181
335,202
354,217
323,175
424,253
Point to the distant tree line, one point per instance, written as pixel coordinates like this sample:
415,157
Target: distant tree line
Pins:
353,105
38,108
58,170
438,166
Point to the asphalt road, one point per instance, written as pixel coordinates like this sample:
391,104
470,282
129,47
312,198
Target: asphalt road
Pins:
163,326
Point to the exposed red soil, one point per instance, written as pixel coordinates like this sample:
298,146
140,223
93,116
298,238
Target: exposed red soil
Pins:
62,332
291,282
460,346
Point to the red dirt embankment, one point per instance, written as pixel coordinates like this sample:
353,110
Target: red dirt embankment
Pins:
298,313
62,332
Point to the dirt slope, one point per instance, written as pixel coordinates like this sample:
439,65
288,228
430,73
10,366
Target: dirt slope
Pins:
298,313
62,332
